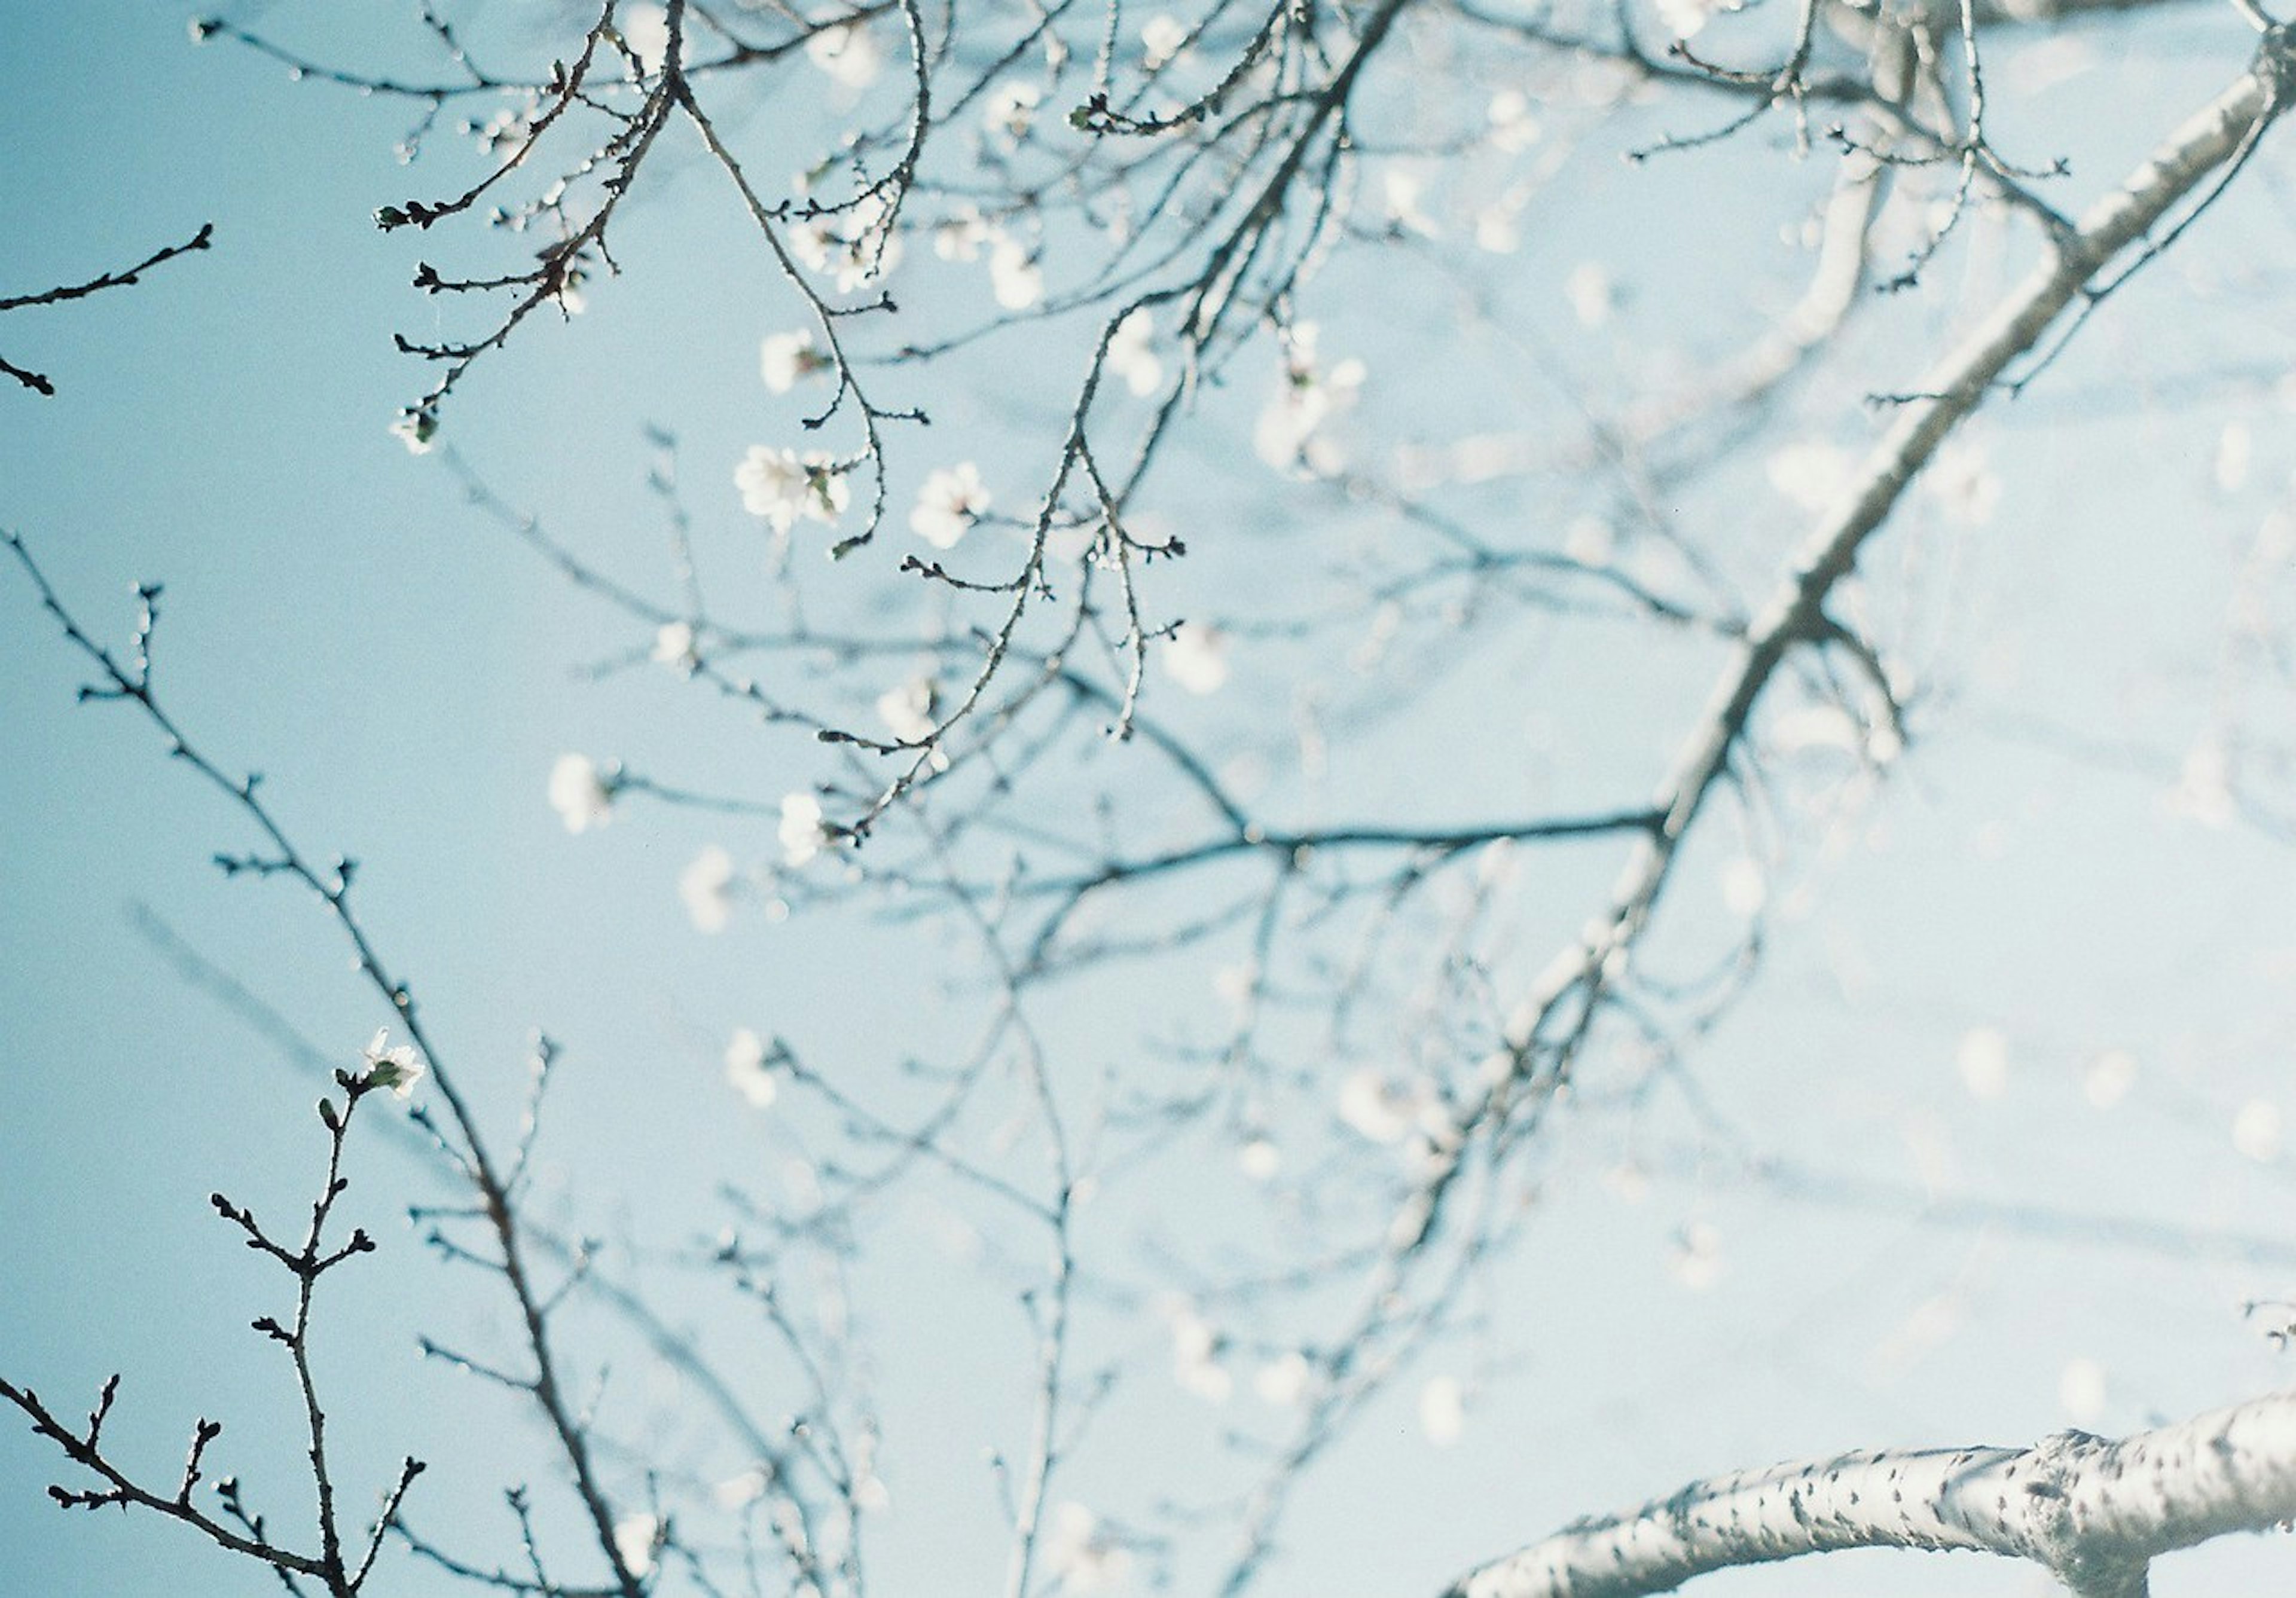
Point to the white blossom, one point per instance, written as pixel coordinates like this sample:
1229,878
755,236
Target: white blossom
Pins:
1259,1160
1195,1357
1379,1110
2256,1130
1287,436
1284,1382
1015,277
1696,1259
784,360
781,487
2204,793
645,30
1196,657
959,236
1162,38
2111,1075
802,835
418,429
1590,290
1010,109
580,794
747,1072
1684,18
1514,128
1982,1058
634,1540
1442,1410
1811,473
706,887
848,55
907,708
1131,354
1082,1557
397,1069
951,501
1400,187
673,645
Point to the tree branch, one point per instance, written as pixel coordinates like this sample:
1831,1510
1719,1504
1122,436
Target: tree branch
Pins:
2096,1513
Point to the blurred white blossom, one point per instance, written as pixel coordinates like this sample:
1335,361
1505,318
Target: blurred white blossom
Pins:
2256,1130
645,30
1195,1357
1162,38
1284,1382
848,55
673,645
1811,473
580,793
1982,1059
961,235
784,360
1288,435
1015,277
1514,128
1589,293
2110,1077
1195,656
635,1537
747,1072
1696,1258
1080,1555
1010,110
706,888
1442,1410
802,835
1131,354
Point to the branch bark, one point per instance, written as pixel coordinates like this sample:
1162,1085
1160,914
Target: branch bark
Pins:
2094,1512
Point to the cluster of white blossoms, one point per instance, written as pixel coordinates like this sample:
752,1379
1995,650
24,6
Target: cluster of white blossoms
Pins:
852,247
952,500
397,1069
1290,434
781,486
580,793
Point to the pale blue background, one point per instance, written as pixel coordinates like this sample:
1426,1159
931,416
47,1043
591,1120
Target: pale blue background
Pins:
400,670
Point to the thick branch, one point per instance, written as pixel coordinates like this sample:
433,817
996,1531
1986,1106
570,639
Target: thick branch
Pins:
2094,1513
